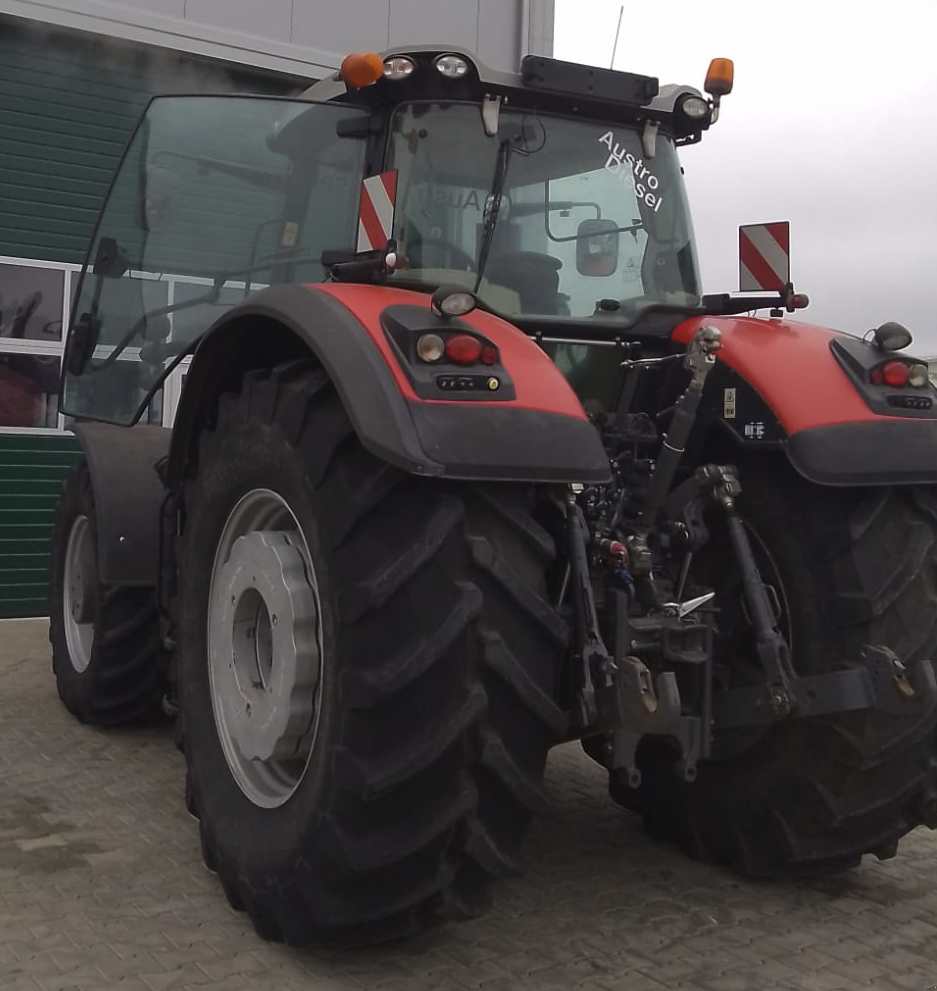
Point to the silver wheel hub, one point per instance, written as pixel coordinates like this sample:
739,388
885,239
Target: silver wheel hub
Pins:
267,630
79,593
264,654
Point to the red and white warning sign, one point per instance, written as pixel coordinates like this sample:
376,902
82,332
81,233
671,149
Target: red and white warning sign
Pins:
764,256
376,211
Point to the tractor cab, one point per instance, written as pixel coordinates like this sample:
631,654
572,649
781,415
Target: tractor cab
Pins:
554,195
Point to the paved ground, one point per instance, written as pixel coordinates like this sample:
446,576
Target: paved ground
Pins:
102,886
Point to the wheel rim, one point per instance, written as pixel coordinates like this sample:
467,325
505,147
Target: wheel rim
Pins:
264,648
78,594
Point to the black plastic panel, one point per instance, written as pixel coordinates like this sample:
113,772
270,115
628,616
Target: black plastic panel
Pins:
883,452
404,324
128,495
510,444
858,358
600,84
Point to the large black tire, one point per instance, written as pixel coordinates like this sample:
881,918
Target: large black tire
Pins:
109,663
422,746
810,797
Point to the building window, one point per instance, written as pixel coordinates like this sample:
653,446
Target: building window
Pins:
29,385
33,309
36,298
31,303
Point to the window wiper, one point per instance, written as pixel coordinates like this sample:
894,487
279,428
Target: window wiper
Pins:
493,208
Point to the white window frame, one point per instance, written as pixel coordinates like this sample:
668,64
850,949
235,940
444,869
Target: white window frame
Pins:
42,348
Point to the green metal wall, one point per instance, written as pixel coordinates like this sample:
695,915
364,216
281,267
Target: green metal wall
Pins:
68,103
62,126
31,473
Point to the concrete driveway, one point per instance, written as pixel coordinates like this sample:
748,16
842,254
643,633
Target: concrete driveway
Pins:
102,886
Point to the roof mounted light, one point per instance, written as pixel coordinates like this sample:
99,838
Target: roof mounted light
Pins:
398,67
452,301
451,66
720,77
361,69
892,336
694,107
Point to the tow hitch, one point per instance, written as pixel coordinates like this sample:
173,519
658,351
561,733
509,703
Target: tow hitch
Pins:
881,681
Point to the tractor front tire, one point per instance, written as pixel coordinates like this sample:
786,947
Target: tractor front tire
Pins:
812,796
366,672
109,663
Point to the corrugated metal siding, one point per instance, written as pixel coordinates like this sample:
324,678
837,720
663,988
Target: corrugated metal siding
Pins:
31,472
65,116
68,103
306,38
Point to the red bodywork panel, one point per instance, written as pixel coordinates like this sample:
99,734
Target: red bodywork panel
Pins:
538,383
792,368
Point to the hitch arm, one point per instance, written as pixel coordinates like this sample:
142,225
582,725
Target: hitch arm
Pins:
773,650
594,661
700,359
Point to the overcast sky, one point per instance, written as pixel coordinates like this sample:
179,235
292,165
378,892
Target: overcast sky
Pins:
832,125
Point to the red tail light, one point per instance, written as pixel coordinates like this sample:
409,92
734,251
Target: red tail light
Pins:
463,349
896,374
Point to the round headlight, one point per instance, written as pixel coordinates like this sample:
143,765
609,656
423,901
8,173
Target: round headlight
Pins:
453,66
694,107
398,67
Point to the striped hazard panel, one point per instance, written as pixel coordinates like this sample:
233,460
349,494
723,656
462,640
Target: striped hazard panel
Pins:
764,256
376,212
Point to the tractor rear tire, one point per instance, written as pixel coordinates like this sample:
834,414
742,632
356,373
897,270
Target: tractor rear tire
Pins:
812,796
366,673
109,663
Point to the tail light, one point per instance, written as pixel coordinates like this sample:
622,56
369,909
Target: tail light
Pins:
898,374
457,349
445,358
463,349
918,376
430,347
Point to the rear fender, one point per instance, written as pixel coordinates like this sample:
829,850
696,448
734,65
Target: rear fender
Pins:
778,384
128,496
537,432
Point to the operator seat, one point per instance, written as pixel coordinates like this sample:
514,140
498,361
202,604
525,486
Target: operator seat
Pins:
534,276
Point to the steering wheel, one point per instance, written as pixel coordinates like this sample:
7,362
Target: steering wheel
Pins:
456,258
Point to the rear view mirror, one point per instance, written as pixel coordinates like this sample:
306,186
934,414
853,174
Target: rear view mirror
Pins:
159,191
597,247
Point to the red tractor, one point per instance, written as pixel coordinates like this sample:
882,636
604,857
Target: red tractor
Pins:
464,466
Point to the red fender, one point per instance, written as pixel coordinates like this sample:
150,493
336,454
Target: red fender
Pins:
790,366
833,436
532,428
537,382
